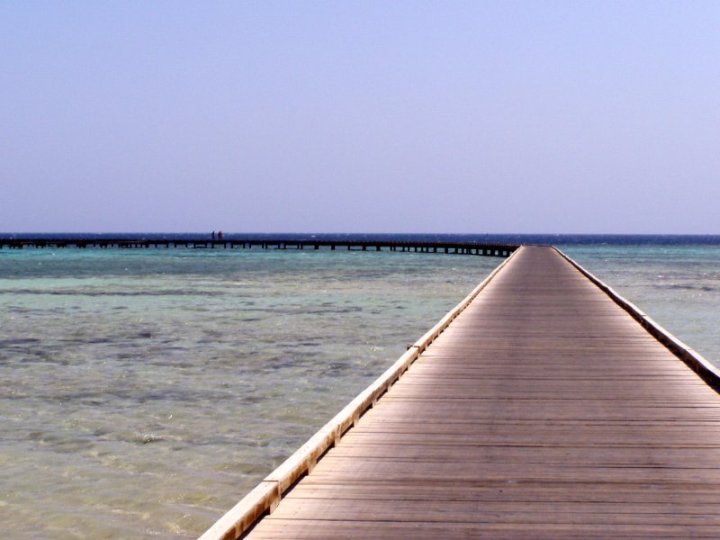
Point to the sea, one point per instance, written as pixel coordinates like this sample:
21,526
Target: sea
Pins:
144,392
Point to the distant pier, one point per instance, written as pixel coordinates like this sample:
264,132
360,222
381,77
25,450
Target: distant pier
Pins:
451,248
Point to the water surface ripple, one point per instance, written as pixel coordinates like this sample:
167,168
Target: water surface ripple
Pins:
145,392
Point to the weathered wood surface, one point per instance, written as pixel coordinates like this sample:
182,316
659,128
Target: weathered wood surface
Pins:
543,411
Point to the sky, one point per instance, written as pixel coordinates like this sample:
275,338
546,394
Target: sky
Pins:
360,116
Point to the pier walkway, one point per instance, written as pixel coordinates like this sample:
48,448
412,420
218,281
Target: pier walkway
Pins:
544,410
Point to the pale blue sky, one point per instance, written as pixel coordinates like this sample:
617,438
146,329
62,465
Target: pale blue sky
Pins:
375,116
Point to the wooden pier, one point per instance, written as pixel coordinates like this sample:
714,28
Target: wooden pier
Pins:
452,248
543,406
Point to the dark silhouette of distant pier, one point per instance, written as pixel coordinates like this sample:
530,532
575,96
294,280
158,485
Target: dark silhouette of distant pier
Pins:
453,248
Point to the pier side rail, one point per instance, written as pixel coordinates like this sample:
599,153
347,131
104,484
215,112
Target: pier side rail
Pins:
265,497
694,360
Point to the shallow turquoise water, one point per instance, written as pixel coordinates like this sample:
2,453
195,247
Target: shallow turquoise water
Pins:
145,392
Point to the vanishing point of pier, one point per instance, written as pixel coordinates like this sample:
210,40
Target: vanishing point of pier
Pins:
543,406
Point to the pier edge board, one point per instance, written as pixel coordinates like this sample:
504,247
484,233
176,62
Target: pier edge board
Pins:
263,499
694,360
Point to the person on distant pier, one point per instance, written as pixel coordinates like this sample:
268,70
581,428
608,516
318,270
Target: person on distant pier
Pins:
213,235
220,235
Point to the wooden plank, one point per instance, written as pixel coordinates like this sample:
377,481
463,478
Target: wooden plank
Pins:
279,529
553,492
473,511
366,470
602,454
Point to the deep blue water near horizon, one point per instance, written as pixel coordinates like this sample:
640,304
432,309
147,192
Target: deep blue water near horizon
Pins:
145,391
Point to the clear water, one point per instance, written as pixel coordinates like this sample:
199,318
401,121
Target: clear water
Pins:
145,392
